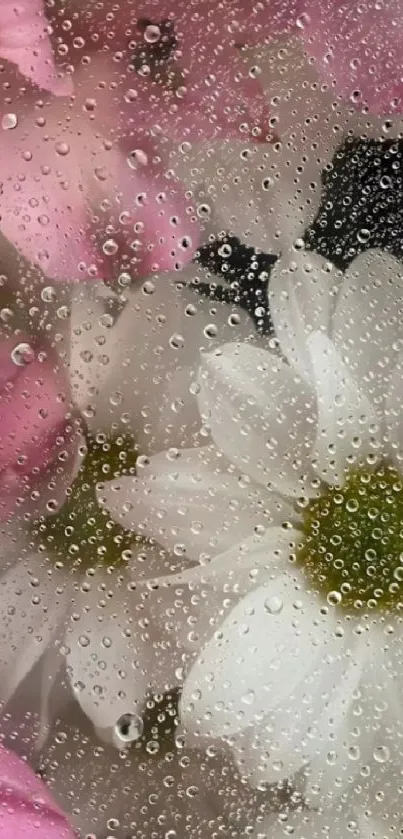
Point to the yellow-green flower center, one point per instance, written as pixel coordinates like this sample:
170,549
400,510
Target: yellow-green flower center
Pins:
81,533
352,548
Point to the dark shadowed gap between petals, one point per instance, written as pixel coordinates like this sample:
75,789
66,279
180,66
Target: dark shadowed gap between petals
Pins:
244,273
361,208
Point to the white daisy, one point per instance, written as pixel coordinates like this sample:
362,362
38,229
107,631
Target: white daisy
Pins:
293,514
165,790
362,823
68,582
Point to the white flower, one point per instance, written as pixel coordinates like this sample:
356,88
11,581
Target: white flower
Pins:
167,791
134,356
66,595
334,823
302,666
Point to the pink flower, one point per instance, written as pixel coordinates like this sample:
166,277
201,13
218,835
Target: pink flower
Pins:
86,186
24,40
27,810
82,204
358,49
181,63
37,443
356,45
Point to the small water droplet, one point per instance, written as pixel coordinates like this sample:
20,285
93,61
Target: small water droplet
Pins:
303,21
48,294
334,598
274,605
153,747
137,158
363,235
176,341
110,247
381,754
6,314
62,148
152,34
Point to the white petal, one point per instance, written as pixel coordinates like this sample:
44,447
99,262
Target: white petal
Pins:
187,608
54,694
92,342
301,296
261,415
136,369
113,660
367,324
348,427
251,562
333,768
308,722
329,823
394,412
104,792
106,666
33,602
192,502
383,827
254,662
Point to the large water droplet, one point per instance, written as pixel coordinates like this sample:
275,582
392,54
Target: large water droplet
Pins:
129,727
9,121
22,354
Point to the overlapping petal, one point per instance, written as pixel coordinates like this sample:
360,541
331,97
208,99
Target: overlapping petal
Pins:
246,396
233,685
192,503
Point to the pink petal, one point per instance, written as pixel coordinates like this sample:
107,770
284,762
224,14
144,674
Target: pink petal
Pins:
358,47
35,421
24,40
216,96
70,205
266,20
27,811
155,225
34,401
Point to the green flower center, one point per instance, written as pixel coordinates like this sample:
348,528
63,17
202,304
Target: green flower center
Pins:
82,530
352,550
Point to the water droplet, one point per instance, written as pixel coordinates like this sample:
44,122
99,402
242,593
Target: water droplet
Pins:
110,247
381,754
48,294
62,148
274,605
334,598
9,121
137,158
6,314
129,727
210,330
176,341
363,235
203,210
22,354
153,747
225,251
152,34
303,21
